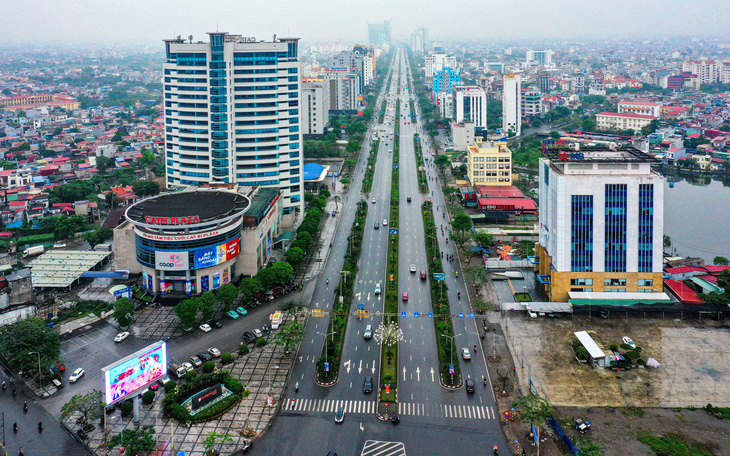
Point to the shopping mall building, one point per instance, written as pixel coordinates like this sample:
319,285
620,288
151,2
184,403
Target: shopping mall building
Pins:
196,240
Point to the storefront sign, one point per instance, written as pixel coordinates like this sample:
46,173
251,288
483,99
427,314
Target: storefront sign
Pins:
184,237
225,276
186,220
216,280
171,261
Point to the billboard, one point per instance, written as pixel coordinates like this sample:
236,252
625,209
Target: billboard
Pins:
171,261
217,254
135,372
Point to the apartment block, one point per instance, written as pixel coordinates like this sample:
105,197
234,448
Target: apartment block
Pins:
489,164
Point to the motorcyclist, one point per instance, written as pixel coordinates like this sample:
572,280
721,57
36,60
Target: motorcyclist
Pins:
40,426
25,406
296,387
485,380
15,427
458,294
496,450
475,348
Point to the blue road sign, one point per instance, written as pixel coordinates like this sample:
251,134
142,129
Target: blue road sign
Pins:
430,315
439,276
361,306
326,367
461,314
403,315
416,314
451,369
395,165
471,315
393,231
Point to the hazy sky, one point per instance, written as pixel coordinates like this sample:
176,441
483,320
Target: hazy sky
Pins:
152,20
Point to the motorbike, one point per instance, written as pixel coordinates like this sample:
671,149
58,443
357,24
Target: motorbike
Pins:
395,419
25,406
40,426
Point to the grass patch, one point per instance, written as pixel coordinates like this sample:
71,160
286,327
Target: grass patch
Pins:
587,447
523,296
82,309
718,412
672,445
638,412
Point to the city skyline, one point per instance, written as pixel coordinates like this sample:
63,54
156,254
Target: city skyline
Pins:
563,19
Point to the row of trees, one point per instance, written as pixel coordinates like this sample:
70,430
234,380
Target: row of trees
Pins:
309,227
280,272
205,304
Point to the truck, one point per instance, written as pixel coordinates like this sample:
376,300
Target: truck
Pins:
176,369
35,250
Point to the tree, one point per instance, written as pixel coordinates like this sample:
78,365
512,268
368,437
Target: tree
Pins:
461,224
148,158
226,295
289,337
187,312
534,409
294,256
144,188
97,237
283,271
352,146
267,277
554,134
206,303
478,275
214,438
481,306
89,405
482,239
73,191
123,312
441,161
135,441
720,261
249,287
19,340
209,366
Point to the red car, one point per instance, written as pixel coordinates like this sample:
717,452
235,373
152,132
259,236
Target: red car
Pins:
405,296
423,275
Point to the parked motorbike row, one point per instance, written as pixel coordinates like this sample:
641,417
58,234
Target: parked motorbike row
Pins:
279,290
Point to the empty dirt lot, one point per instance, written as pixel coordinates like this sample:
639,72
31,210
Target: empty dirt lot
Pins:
694,357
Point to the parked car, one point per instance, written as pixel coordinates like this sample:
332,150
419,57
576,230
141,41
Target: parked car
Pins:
465,353
241,310
214,352
205,356
76,375
257,333
248,337
121,336
627,340
205,327
188,366
233,314
216,324
469,385
367,385
196,361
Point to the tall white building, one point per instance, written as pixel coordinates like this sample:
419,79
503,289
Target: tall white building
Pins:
232,111
540,58
419,38
343,89
436,62
706,70
512,104
315,107
470,105
601,223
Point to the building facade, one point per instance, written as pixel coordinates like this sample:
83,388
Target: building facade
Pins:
315,107
343,89
622,121
531,103
539,58
470,105
419,38
445,79
601,222
706,70
489,164
379,34
436,61
512,104
232,111
645,108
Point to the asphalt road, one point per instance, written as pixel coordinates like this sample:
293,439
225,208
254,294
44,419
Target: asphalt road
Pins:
434,420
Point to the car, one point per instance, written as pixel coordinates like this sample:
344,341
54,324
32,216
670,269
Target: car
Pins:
627,340
195,361
340,415
248,337
376,226
76,375
408,199
216,324
423,275
465,353
205,327
188,366
405,296
204,356
604,314
377,288
372,200
214,352
164,379
413,269
469,385
121,336
531,313
57,383
367,385
59,245
385,222
233,314
257,333
368,334
241,311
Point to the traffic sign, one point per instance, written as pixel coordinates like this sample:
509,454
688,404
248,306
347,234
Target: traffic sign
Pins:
326,367
439,276
430,315
394,231
318,312
403,314
451,369
416,314
361,306
461,314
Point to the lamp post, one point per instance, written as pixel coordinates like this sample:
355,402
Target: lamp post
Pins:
325,343
40,384
452,350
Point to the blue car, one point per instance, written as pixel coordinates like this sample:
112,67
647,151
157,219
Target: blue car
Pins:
232,314
242,311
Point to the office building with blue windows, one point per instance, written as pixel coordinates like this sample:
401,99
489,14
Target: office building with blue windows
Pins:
445,79
232,114
601,223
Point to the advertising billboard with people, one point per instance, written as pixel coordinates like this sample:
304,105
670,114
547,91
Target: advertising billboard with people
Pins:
135,372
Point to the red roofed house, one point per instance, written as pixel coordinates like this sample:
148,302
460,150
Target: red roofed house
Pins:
509,191
684,272
125,194
716,270
682,292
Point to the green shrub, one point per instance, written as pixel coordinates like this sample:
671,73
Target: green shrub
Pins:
208,367
243,349
217,409
126,408
226,358
613,347
234,385
190,375
170,386
625,347
581,353
148,397
575,344
641,362
260,342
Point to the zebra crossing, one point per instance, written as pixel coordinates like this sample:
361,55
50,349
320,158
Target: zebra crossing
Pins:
380,448
475,412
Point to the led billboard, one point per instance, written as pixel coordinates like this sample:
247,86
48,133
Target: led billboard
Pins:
135,372
217,254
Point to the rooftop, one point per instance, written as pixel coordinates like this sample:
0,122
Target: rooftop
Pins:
626,154
61,268
625,114
205,204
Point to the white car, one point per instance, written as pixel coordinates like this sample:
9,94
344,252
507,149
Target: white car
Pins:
121,336
372,200
465,353
78,373
413,268
188,366
205,327
627,340
385,222
214,352
377,288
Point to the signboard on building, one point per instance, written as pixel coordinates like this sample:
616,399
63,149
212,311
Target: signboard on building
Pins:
171,261
211,256
185,220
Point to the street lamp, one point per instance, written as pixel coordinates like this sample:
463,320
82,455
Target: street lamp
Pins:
452,347
40,384
325,343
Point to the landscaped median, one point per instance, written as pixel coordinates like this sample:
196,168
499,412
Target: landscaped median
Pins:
390,335
422,179
367,180
440,304
332,349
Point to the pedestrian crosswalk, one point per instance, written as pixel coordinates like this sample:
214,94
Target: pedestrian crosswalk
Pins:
380,448
475,412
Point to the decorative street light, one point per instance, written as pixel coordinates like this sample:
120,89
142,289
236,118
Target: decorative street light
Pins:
452,349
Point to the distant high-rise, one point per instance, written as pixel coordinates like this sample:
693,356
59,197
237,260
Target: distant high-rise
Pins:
470,105
232,114
539,58
512,104
379,34
419,40
438,61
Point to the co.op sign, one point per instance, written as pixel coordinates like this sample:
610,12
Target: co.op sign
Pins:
171,261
